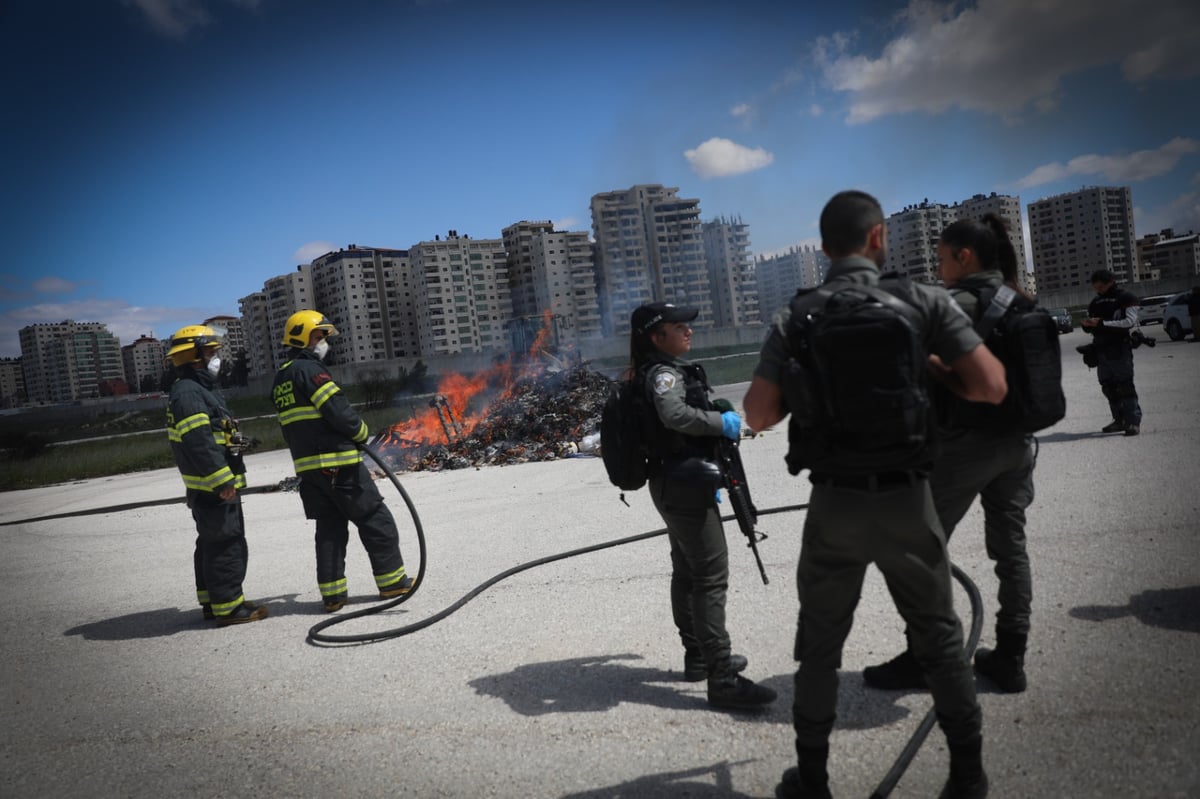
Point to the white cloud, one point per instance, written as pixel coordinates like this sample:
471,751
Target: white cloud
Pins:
305,253
1181,214
126,322
54,285
1001,56
740,110
717,158
173,18
1127,168
566,223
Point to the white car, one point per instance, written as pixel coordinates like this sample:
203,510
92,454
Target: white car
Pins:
1175,317
1150,309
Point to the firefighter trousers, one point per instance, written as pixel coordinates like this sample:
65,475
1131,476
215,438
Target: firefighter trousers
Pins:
336,497
221,553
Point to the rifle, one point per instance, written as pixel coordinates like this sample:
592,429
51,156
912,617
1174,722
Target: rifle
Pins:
733,475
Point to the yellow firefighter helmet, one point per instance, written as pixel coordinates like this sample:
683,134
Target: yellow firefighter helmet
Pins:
300,325
188,343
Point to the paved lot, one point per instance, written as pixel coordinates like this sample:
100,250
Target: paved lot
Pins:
562,681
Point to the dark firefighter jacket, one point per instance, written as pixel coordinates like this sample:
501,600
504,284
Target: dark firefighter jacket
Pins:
319,424
197,425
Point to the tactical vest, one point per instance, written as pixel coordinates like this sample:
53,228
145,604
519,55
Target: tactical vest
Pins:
666,443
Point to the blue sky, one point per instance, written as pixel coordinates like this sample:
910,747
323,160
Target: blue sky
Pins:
162,158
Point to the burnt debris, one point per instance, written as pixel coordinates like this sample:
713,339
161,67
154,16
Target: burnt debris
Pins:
540,417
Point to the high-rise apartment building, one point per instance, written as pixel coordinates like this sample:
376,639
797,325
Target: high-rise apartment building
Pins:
464,299
69,361
553,271
1074,234
284,294
649,247
1167,255
143,364
362,291
779,276
257,329
232,333
730,273
12,383
912,233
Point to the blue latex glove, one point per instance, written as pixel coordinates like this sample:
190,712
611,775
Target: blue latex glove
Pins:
731,425
717,496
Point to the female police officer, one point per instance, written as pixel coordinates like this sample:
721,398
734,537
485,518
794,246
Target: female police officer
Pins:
684,479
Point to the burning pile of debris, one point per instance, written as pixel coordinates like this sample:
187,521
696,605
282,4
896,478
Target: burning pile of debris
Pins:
541,415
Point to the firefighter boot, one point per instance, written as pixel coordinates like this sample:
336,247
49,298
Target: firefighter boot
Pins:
809,779
967,777
1004,665
242,614
695,669
730,690
901,673
397,589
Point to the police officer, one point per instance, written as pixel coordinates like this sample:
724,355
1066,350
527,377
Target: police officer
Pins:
684,478
980,459
888,519
1112,315
324,434
199,427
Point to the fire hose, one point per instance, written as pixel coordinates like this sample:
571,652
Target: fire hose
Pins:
315,634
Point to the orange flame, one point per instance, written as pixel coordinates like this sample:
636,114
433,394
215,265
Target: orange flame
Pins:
460,391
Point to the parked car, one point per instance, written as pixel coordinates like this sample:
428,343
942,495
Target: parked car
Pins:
1150,309
1062,318
1175,318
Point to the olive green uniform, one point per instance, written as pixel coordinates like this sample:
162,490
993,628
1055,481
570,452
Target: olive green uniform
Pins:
996,466
888,520
689,427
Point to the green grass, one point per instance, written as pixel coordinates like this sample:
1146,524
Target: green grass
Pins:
136,453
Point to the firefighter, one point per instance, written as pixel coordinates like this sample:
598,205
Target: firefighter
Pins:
325,434
200,427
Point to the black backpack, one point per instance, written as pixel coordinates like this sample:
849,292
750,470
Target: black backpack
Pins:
1024,337
623,433
855,384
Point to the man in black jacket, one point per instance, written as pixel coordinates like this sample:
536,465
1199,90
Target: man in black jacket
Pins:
325,435
1112,315
200,427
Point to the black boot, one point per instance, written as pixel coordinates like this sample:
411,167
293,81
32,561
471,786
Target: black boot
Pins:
808,780
901,673
1004,665
730,690
967,777
695,669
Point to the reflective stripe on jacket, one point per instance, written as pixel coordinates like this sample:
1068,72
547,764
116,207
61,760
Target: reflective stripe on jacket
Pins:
320,426
196,430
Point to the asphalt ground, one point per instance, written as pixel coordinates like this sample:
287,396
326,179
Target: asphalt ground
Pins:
564,680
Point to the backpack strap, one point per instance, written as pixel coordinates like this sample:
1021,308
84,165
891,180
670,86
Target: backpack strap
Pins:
1001,300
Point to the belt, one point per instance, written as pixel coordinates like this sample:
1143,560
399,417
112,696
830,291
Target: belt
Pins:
867,482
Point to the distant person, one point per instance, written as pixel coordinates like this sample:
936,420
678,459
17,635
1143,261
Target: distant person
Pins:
1193,306
1112,316
861,514
979,459
683,441
198,427
324,434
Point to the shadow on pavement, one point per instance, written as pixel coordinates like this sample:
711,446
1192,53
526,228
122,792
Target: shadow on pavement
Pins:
600,683
1169,608
1055,438
169,621
719,783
